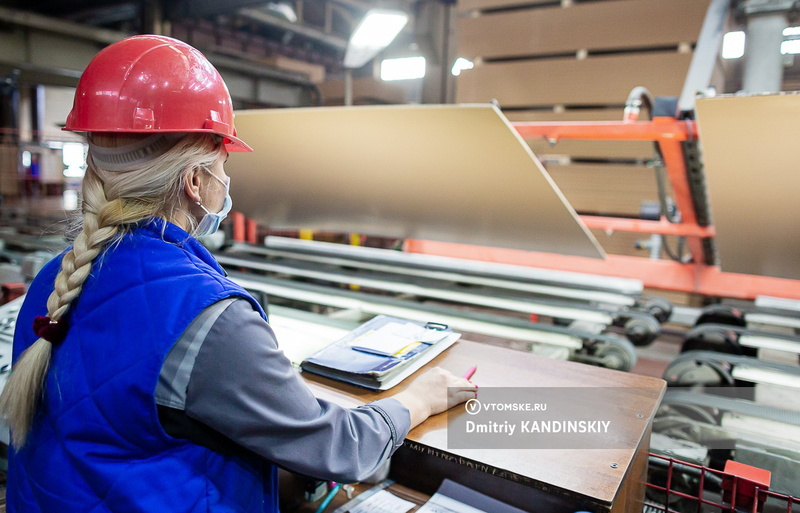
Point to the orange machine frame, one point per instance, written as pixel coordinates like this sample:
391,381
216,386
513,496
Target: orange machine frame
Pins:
707,280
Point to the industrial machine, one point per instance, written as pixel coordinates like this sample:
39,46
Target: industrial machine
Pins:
490,300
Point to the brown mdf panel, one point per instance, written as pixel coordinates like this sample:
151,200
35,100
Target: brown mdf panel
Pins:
613,114
583,476
592,26
751,156
676,298
593,149
314,72
365,90
479,5
606,188
596,80
446,172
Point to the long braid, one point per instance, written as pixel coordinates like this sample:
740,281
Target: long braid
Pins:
77,263
26,382
112,203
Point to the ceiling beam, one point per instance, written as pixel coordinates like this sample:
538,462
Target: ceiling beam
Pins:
303,30
103,15
33,53
200,8
67,28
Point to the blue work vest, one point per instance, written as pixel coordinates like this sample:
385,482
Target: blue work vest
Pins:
96,444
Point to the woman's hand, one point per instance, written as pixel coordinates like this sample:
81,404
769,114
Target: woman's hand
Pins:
434,392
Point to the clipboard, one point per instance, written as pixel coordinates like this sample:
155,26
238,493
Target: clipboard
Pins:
359,358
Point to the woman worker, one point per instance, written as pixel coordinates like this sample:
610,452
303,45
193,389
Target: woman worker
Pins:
150,382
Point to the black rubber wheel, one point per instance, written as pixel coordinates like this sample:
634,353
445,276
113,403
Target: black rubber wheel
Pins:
698,372
715,338
658,307
721,314
617,354
641,330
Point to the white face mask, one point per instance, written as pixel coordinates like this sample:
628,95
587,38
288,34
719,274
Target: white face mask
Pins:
210,222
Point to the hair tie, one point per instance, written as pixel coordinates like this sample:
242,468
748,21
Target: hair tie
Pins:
50,330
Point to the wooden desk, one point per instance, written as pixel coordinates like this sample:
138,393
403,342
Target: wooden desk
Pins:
597,480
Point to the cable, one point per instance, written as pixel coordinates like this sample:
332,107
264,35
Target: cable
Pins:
658,165
678,255
638,97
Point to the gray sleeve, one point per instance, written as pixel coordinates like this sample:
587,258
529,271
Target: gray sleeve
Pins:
241,385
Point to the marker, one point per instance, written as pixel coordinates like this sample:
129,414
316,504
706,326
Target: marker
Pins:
328,498
470,372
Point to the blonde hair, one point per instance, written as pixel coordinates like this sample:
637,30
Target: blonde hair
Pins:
113,201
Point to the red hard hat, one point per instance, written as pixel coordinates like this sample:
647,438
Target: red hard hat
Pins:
148,84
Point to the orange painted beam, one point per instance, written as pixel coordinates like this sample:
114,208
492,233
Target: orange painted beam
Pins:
656,274
659,129
661,227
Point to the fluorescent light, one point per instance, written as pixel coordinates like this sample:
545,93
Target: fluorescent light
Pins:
375,32
791,31
790,47
284,10
733,45
405,68
378,28
461,64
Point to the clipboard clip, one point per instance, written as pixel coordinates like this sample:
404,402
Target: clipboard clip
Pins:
438,326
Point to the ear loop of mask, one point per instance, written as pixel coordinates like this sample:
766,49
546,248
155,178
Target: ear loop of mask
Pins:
224,184
210,222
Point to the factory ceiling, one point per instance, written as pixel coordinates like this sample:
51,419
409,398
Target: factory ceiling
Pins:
314,31
271,53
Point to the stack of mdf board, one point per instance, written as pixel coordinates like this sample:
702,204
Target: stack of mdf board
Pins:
366,91
579,62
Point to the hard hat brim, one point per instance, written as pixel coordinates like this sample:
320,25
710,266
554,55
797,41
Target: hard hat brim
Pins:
235,144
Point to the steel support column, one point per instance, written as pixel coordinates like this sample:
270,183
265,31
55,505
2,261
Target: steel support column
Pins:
763,65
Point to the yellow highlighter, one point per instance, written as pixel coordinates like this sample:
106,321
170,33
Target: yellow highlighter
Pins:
407,349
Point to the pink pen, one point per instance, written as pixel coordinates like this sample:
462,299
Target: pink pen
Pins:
470,372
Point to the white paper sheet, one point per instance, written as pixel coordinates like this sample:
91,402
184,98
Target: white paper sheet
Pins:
393,337
383,502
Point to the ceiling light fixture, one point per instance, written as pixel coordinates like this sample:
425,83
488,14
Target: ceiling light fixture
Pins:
375,32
